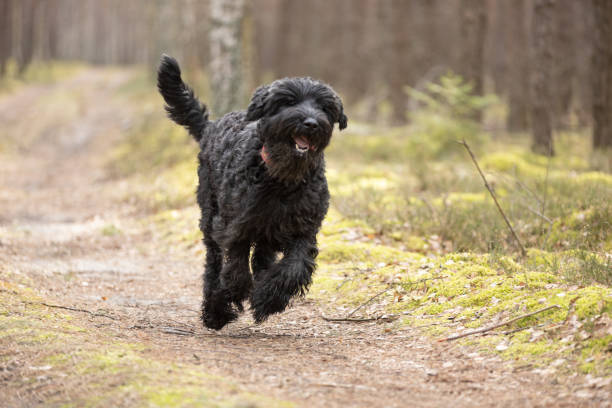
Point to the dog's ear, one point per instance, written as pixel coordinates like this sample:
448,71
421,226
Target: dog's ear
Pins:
342,119
256,108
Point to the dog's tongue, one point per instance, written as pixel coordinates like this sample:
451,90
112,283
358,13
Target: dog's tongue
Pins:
303,143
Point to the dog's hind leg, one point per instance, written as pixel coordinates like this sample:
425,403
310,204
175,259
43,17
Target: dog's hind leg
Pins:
216,307
235,276
291,276
263,257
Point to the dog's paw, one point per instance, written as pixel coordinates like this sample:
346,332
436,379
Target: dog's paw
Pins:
217,310
239,290
268,298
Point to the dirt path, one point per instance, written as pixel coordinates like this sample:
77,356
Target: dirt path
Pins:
57,205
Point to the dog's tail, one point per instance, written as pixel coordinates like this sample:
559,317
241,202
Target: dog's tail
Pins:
181,104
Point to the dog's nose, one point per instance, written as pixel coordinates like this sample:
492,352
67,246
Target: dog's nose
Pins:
310,124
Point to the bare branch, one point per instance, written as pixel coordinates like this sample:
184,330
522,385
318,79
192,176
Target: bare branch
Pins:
348,319
74,309
495,326
486,183
371,299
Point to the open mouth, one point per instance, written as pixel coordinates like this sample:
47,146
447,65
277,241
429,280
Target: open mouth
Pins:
302,145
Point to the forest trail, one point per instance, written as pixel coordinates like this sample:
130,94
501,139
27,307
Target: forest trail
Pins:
59,212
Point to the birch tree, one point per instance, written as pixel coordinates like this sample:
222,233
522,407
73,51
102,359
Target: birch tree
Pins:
226,74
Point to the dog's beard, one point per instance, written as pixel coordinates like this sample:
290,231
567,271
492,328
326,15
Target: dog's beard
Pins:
285,165
285,160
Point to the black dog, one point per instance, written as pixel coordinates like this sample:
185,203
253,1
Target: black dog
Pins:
262,185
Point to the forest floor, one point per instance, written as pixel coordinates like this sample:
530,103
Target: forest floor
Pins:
98,308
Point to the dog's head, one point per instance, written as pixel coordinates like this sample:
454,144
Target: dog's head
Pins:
296,119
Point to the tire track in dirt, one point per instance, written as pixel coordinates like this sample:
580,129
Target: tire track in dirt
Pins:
56,200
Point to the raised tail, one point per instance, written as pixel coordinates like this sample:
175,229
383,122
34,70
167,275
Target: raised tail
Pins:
181,104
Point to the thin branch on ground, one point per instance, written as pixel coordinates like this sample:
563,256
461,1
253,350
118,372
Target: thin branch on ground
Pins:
383,317
177,331
391,286
348,319
495,326
336,385
371,299
521,329
488,187
74,309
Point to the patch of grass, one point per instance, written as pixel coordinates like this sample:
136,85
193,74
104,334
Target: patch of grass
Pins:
567,209
110,230
464,291
38,72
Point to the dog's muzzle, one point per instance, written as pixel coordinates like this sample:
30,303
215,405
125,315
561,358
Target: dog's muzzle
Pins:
309,127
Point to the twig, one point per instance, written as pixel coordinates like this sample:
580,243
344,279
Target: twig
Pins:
335,385
369,319
391,286
535,212
348,319
495,326
521,329
545,195
74,309
178,331
371,299
486,183
524,186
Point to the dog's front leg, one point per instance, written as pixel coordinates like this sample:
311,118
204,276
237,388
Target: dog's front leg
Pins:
233,287
291,276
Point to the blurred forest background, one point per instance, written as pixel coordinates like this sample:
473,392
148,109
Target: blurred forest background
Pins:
549,60
528,83
411,232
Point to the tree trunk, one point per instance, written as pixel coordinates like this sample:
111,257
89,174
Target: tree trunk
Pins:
6,31
397,20
27,33
518,67
602,75
542,141
226,55
563,71
584,21
473,31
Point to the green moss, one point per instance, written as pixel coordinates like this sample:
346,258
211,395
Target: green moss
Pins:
474,289
110,230
340,251
512,163
592,301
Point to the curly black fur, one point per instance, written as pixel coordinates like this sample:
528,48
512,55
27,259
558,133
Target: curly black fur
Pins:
181,104
273,206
